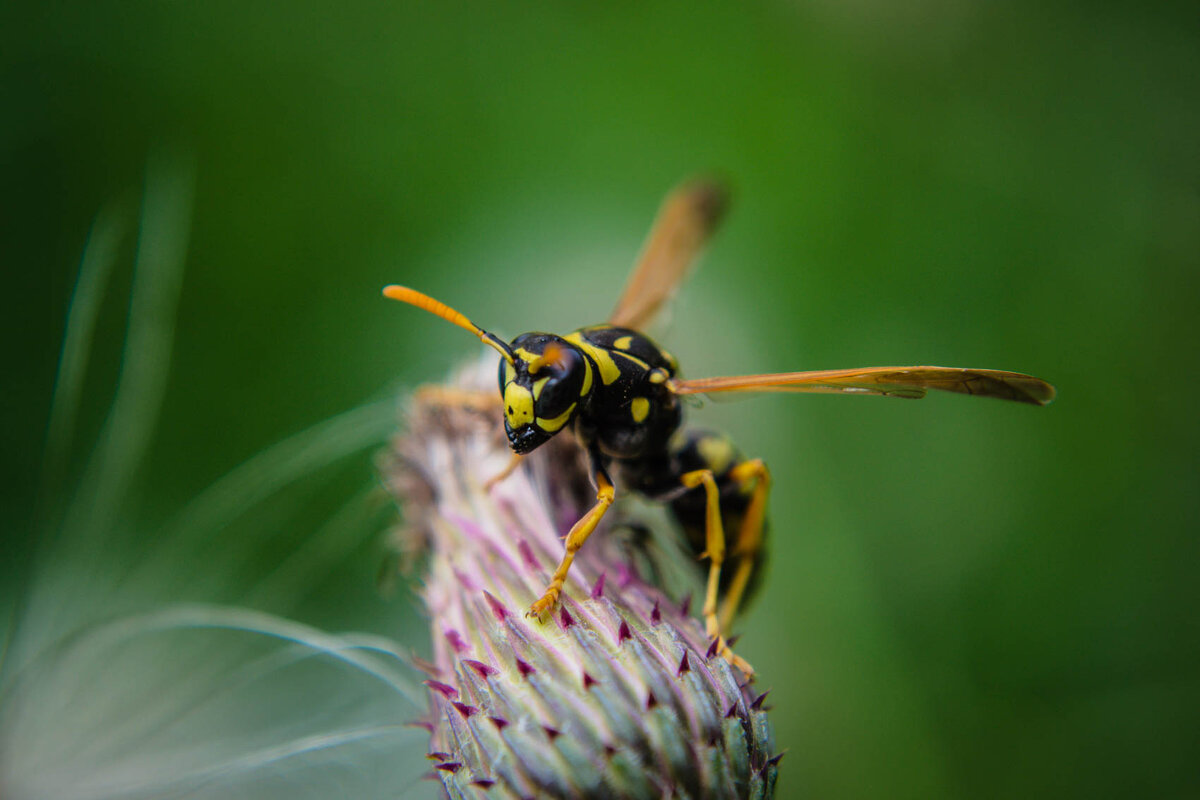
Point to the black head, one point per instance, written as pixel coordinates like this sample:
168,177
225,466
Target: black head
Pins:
542,387
543,377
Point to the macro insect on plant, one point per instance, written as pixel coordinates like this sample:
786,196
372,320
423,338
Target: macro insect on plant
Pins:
619,393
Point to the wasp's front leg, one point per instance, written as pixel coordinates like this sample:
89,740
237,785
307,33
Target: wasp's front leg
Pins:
514,461
578,535
438,396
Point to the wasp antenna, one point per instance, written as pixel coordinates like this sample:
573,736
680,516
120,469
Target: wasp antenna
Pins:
499,345
440,309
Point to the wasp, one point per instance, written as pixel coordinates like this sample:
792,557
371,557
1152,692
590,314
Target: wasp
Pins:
619,393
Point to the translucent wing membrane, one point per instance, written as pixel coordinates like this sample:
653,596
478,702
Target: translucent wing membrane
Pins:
686,219
908,382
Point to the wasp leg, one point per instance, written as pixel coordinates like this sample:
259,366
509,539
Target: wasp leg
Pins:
750,535
509,469
449,396
714,543
575,539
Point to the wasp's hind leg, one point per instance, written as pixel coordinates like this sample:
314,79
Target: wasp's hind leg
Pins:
752,476
578,535
714,544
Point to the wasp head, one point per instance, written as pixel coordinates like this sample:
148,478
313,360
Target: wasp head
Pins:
541,387
543,377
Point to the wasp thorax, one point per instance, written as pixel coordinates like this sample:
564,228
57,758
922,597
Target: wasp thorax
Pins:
542,388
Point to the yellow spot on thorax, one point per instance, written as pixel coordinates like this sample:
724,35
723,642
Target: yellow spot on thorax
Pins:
639,407
623,343
634,359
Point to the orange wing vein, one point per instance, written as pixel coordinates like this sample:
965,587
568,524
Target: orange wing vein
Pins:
908,382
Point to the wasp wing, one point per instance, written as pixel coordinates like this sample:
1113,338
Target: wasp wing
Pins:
685,221
908,382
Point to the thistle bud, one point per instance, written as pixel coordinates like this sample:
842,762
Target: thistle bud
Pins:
618,694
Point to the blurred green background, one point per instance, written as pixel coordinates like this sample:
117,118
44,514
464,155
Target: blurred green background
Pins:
966,598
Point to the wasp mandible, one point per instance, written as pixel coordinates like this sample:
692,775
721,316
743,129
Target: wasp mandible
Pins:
619,393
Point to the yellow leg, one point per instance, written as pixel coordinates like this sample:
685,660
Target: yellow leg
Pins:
509,469
575,539
750,535
449,396
714,542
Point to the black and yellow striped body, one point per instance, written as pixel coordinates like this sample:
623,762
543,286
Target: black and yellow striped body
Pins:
618,392
631,413
609,383
612,389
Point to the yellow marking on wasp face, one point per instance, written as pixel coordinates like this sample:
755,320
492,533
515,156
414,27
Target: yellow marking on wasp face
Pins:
657,376
609,371
623,343
551,425
510,372
525,355
639,407
518,405
538,385
717,452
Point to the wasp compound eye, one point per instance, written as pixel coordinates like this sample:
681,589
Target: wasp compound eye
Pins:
560,385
